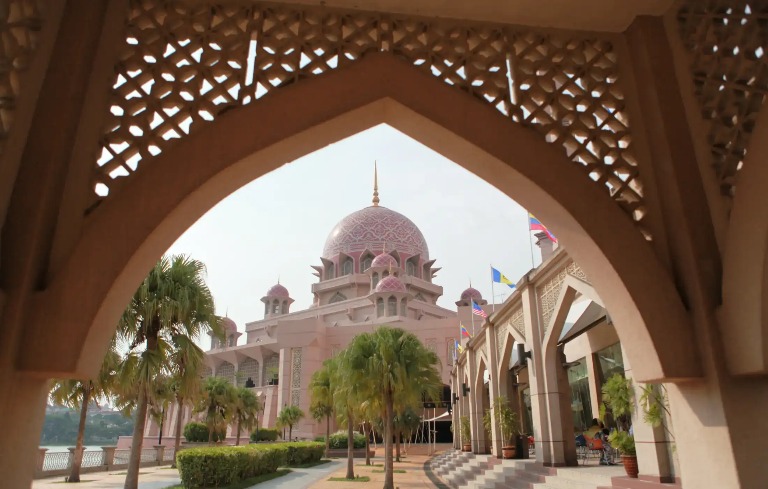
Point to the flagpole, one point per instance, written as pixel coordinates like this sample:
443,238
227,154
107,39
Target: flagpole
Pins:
472,315
493,295
530,243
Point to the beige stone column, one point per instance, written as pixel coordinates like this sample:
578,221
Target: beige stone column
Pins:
595,392
533,342
475,405
493,388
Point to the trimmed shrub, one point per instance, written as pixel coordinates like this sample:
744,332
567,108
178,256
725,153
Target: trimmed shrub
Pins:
222,466
339,440
266,434
198,433
320,438
304,452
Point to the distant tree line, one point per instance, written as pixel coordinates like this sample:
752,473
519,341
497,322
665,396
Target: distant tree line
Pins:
60,428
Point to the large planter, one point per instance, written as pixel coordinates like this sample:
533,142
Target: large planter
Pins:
508,452
630,465
467,447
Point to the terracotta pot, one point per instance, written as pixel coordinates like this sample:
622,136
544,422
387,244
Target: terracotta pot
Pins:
508,452
630,465
467,447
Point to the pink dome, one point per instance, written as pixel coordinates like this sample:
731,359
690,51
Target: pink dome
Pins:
228,324
278,291
390,284
384,260
376,228
472,293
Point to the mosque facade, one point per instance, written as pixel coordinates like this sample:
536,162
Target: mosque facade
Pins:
375,269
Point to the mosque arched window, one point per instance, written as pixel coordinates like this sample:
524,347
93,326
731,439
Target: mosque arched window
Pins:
347,267
285,307
231,340
374,280
337,297
410,268
275,307
385,273
367,261
329,272
266,308
403,307
379,307
392,306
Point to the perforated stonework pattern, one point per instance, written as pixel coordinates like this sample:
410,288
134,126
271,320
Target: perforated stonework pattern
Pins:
186,62
295,376
517,321
550,291
727,42
501,334
20,24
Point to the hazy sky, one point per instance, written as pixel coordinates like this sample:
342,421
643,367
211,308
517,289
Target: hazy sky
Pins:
277,225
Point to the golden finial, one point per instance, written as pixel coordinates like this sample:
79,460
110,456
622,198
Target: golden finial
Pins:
375,185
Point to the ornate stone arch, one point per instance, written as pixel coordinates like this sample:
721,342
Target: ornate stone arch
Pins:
119,244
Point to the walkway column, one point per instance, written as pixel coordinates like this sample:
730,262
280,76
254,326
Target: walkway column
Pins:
475,404
493,389
533,339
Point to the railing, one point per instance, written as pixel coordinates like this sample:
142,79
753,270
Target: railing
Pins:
108,458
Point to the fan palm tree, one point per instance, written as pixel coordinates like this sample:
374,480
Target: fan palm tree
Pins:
405,422
246,410
218,403
78,394
186,362
289,416
322,397
396,365
346,387
172,301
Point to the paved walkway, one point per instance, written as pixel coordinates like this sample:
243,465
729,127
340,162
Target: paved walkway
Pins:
413,478
149,478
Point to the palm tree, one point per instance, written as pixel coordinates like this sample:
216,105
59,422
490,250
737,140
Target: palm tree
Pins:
347,402
406,421
218,403
246,410
78,394
289,416
396,365
186,362
172,301
322,397
162,396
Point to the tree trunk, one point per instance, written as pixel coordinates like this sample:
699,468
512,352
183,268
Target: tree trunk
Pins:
389,481
367,445
398,434
237,443
132,476
350,447
327,435
210,434
77,460
290,432
162,422
179,418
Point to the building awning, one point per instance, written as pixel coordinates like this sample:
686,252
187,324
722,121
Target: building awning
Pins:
593,315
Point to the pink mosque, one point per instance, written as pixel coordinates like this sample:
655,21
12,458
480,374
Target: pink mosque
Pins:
375,269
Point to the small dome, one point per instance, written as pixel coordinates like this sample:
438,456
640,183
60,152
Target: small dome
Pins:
278,291
390,284
473,294
228,324
384,260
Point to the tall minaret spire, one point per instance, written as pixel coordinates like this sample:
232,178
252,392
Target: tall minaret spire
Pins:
375,185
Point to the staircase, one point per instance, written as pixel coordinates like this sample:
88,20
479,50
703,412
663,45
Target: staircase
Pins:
466,470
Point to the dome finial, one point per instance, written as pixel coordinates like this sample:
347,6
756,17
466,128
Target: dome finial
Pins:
375,185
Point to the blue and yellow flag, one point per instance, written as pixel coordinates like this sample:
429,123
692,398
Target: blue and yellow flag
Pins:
459,348
499,278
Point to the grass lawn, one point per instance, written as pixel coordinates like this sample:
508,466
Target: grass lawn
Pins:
372,465
356,479
247,482
81,480
394,471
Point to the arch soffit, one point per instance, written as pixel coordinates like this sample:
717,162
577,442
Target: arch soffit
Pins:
127,233
744,319
510,337
482,366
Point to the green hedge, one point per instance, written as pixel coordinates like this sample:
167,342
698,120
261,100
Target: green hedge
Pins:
339,440
198,432
266,434
221,466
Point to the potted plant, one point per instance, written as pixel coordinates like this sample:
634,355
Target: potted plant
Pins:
626,445
466,435
617,395
507,421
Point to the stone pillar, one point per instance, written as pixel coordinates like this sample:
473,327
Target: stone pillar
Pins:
593,375
566,416
653,447
533,339
40,460
108,459
493,389
545,244
72,451
475,404
160,453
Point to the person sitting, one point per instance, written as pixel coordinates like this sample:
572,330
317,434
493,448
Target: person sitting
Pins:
606,454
